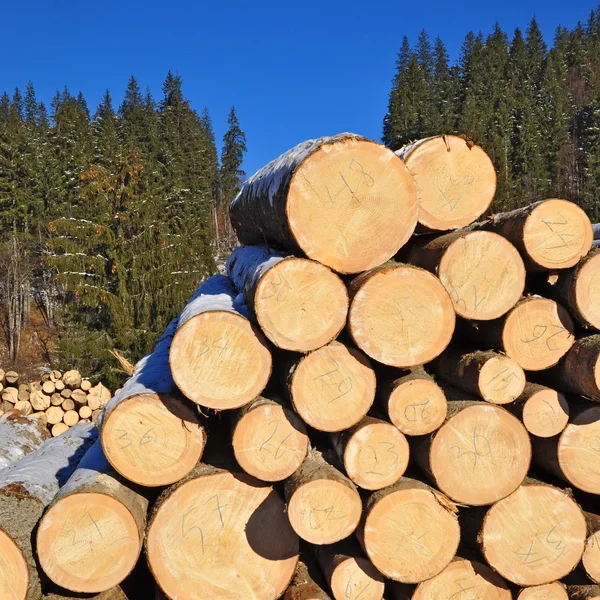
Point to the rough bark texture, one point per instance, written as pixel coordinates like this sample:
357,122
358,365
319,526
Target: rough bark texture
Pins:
583,592
304,587
114,594
19,435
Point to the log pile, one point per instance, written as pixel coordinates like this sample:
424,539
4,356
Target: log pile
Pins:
370,404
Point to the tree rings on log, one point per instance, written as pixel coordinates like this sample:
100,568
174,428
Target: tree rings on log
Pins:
455,179
14,572
459,577
400,315
333,387
153,439
410,531
549,591
543,411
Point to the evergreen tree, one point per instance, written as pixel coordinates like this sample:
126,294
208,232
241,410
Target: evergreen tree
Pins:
31,105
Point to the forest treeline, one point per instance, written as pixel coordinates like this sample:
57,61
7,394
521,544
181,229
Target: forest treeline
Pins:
534,109
109,221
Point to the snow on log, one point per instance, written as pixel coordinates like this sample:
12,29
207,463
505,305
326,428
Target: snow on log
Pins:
19,435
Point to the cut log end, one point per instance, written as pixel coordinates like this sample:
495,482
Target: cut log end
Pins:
270,442
460,576
501,380
556,234
218,360
534,536
333,388
591,556
324,511
587,291
456,181
300,304
152,439
401,316
357,578
549,591
410,535
352,205
14,571
222,532
481,444
88,542
545,413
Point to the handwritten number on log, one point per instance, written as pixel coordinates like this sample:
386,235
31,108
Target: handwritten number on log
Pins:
219,344
278,289
126,440
416,412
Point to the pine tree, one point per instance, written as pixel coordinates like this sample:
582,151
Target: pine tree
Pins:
106,134
31,105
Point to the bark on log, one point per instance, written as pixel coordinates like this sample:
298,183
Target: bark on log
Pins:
584,592
590,561
304,587
25,490
114,594
455,179
551,234
218,358
19,435
479,443
414,402
400,315
323,505
409,531
536,333
79,397
217,533
269,439
299,304
91,535
481,271
346,202
489,375
543,411
332,388
374,453
549,591
149,434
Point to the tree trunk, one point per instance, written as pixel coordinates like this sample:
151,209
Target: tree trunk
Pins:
304,587
489,375
91,535
409,531
482,272
591,555
19,435
374,453
218,358
455,179
414,402
346,202
551,234
299,304
332,388
323,505
400,315
151,435
536,333
478,444
269,439
584,592
25,491
217,533
549,591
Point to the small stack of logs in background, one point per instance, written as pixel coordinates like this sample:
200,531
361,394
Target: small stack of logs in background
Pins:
59,400
355,411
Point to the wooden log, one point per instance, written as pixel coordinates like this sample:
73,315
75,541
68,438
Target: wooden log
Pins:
304,587
93,402
409,531
478,443
150,435
487,374
219,533
536,333
571,456
55,375
102,393
218,358
24,407
583,592
59,385
39,400
400,315
414,402
543,411
79,397
349,573
35,386
86,385
23,396
115,593
59,429
459,578
68,404
48,387
532,537
2,376
19,436
551,234
549,591
590,561
374,453
105,521
70,418
323,505
10,394
269,440
344,201
482,272
455,179
299,304
85,412
55,415
72,379
332,388
25,490
65,393
11,377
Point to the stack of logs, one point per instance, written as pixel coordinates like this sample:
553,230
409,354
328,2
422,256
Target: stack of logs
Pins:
383,398
59,400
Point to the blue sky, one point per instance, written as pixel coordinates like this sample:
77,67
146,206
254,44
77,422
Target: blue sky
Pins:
294,70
